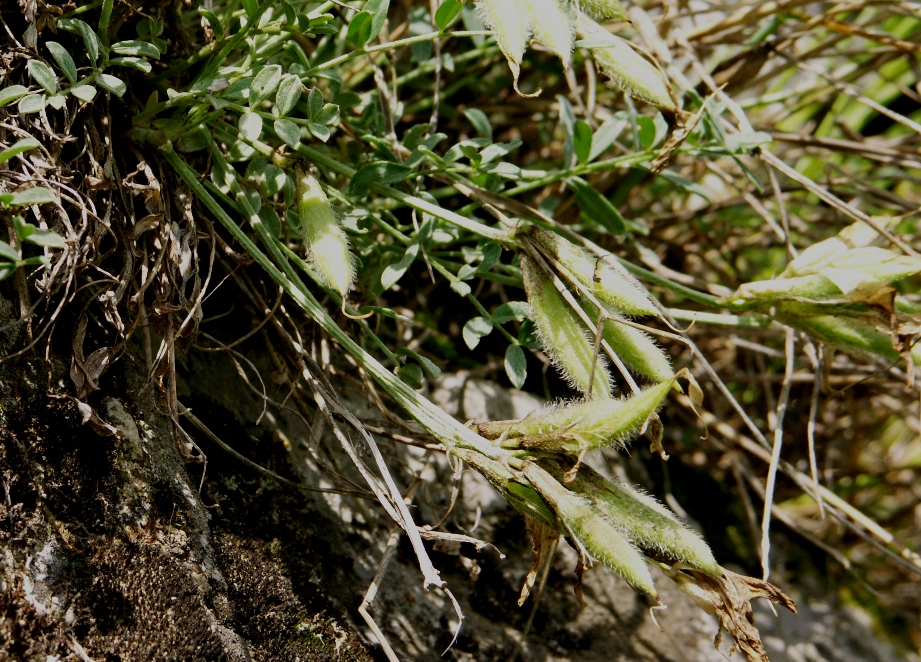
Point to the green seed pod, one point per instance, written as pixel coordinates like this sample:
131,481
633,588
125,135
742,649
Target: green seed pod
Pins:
766,293
324,237
850,335
563,336
511,21
649,524
629,70
593,533
574,428
522,497
638,351
554,26
603,9
609,282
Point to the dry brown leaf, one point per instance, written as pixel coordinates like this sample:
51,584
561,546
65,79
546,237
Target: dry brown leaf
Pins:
544,538
729,599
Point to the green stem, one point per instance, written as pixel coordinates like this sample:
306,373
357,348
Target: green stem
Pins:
588,168
368,50
105,16
677,288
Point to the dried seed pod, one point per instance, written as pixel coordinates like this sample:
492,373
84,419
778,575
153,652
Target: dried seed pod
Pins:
638,351
574,428
603,9
649,524
554,26
325,239
609,282
563,336
594,534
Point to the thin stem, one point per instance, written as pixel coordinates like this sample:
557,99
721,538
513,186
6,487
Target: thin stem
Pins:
408,41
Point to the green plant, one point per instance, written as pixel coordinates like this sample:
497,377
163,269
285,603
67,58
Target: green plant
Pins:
12,258
333,180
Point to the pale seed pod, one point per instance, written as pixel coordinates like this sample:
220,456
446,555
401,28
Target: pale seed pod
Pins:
649,524
563,336
326,242
636,349
878,263
554,26
768,292
813,258
592,532
628,69
603,9
511,22
581,426
609,282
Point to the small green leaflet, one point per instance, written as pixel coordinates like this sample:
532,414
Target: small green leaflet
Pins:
516,365
250,126
47,239
43,75
136,49
85,93
597,207
288,131
378,9
411,374
480,122
64,60
112,84
22,146
513,310
447,13
33,103
264,83
378,172
7,252
428,366
37,195
11,93
474,329
582,141
394,272
360,29
288,94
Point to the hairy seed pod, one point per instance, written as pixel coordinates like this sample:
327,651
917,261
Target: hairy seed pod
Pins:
636,349
580,426
511,21
554,26
851,335
325,239
609,282
629,70
563,336
649,524
594,534
603,9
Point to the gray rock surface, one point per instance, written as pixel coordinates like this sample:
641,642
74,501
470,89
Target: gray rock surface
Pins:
109,550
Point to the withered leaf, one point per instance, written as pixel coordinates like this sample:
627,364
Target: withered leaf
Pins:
729,598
